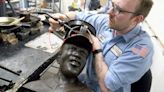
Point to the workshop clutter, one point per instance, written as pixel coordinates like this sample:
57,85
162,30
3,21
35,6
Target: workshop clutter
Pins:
13,29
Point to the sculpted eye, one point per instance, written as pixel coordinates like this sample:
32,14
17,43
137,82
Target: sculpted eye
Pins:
83,53
73,48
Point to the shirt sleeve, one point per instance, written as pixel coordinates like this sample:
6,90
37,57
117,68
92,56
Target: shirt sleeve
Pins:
129,67
94,20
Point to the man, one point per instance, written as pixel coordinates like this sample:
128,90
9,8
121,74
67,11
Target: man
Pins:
127,49
72,61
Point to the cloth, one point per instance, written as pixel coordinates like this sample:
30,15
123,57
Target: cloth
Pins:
128,56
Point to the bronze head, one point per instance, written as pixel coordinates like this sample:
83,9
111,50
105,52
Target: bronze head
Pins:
74,51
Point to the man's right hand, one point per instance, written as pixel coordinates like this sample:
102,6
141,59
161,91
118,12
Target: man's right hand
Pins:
55,24
65,17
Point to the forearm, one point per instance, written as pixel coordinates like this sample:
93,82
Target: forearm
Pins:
101,70
70,15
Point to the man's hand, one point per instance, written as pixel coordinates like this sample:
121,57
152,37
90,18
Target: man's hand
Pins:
95,42
100,65
55,24
64,17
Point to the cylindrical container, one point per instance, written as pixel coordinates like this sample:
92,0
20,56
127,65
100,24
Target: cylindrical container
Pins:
2,8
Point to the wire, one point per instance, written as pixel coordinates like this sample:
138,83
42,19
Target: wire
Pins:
50,39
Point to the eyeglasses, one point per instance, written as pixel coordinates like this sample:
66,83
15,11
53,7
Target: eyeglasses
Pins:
116,9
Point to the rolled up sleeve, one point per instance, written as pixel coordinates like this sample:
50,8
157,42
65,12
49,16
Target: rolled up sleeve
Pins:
127,69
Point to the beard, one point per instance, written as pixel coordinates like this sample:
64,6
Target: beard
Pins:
118,26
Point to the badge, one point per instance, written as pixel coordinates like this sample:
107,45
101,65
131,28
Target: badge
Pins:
116,50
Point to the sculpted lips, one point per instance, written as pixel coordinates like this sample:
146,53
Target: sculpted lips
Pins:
75,63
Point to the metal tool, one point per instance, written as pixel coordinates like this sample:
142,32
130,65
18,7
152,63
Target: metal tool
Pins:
11,71
61,22
11,7
6,80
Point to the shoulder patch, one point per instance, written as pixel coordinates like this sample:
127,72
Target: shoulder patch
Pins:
140,50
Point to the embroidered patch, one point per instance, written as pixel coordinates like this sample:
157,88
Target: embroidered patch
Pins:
140,50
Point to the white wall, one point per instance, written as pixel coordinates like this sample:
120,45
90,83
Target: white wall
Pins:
155,19
158,68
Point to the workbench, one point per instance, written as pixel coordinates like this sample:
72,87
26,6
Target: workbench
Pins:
20,58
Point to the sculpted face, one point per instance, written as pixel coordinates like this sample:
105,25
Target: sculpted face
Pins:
73,60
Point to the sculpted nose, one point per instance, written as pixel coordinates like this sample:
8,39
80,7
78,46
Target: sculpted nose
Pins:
75,53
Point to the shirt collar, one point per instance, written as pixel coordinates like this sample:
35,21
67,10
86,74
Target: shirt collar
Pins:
132,34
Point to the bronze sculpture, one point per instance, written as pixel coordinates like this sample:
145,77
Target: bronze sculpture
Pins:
74,53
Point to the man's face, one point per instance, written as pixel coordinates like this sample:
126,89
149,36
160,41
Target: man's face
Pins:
73,60
121,15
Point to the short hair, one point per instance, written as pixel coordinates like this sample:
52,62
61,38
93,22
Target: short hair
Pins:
144,7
